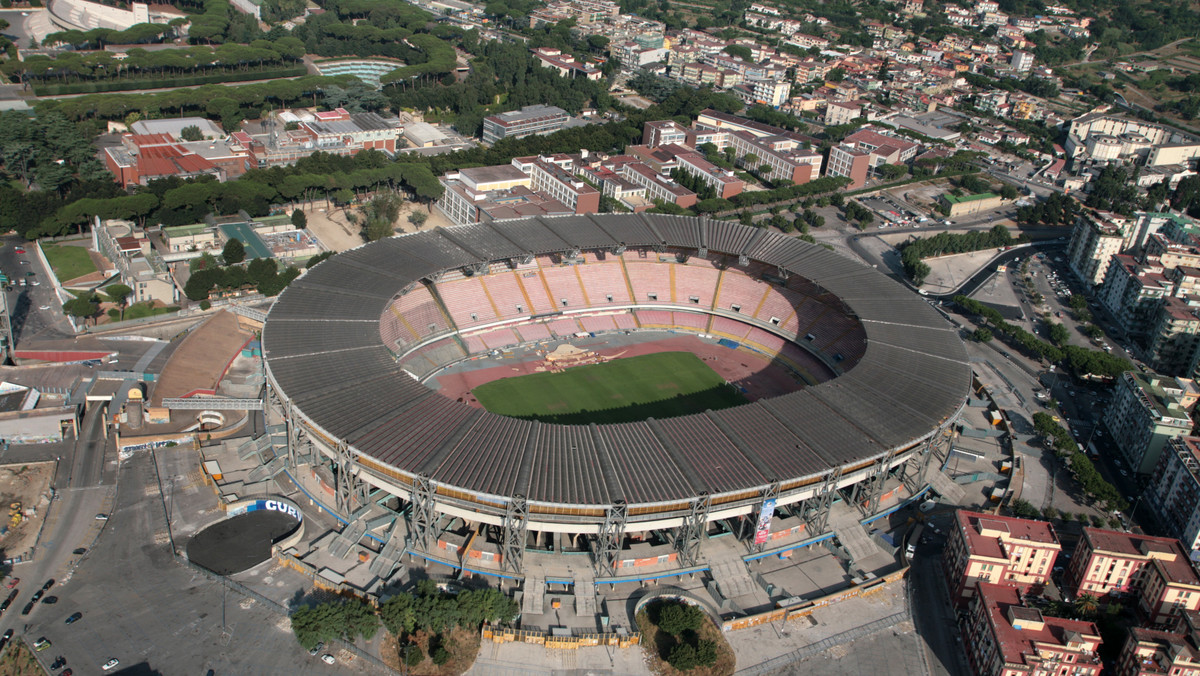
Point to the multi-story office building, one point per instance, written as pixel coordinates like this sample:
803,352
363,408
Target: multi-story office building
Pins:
527,121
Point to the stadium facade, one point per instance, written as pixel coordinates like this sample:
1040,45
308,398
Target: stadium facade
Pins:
349,345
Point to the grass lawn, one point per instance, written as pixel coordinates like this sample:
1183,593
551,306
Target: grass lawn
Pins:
68,262
139,310
661,385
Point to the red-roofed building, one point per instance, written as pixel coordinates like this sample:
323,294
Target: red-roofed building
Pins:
1150,652
1004,638
883,149
1019,553
142,158
1155,569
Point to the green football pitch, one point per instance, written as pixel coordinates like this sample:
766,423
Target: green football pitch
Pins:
661,385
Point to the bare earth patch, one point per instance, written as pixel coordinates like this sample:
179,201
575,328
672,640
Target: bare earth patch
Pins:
29,485
708,632
463,645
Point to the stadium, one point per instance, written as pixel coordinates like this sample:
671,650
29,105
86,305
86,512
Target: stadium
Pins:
360,350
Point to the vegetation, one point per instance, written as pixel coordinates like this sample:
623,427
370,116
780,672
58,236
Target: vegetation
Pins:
683,637
1056,209
429,609
661,385
1081,361
343,619
69,262
1085,472
261,274
945,243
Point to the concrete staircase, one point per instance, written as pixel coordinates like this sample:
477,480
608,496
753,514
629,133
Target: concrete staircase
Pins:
534,596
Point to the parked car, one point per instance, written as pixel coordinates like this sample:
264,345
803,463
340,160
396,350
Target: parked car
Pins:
75,617
111,664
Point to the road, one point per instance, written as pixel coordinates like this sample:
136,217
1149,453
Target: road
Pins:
29,321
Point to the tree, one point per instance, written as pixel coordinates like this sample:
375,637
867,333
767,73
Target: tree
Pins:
413,655
982,335
398,615
1008,192
1058,334
118,293
682,657
82,307
418,218
299,220
191,133
677,618
706,653
359,619
312,262
234,251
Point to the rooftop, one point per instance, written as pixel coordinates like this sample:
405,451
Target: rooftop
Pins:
1168,551
1028,530
1024,646
953,199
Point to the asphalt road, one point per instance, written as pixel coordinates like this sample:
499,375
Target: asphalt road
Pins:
29,321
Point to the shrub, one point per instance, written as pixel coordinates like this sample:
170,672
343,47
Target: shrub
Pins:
413,655
676,618
205,305
706,653
682,657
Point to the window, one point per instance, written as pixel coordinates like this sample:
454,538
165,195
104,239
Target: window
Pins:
695,299
520,309
735,308
609,297
809,336
652,295
474,316
564,302
775,321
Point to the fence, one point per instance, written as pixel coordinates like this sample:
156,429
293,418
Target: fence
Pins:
574,642
775,664
806,608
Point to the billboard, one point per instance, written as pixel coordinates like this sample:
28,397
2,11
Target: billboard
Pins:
763,529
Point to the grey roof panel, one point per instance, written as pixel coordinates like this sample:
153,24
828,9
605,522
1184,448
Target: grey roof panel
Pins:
912,375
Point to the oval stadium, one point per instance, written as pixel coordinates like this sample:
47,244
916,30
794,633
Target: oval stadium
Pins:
844,382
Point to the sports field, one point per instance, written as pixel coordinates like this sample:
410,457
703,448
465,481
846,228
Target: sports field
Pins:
660,385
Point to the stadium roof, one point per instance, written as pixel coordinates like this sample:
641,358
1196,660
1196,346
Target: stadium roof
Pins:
324,352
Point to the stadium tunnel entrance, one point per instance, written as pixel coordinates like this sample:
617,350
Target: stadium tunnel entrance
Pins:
248,537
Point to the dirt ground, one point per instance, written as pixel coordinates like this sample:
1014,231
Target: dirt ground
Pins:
18,660
463,647
337,233
29,485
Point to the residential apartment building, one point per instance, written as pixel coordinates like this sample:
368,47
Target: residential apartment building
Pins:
1156,570
1093,244
771,92
1133,293
1004,638
1173,493
530,120
847,161
842,112
883,149
1173,338
999,549
1145,413
1021,61
1174,651
566,65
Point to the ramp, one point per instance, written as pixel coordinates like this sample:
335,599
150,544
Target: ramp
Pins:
585,593
349,537
267,471
946,487
856,542
532,601
732,578
386,562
